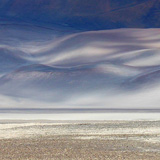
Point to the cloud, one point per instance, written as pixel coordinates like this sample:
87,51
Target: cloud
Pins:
110,69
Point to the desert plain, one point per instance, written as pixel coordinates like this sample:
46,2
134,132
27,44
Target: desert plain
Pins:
79,140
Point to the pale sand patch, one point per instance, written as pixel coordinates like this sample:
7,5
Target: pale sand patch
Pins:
29,130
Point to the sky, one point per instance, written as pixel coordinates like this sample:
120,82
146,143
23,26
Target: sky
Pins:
78,54
82,15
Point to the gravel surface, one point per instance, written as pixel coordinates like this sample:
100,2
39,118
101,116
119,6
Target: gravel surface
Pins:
108,140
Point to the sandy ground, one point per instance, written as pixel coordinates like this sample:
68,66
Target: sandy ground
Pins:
78,140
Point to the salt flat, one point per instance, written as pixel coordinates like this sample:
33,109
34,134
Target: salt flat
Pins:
37,140
80,116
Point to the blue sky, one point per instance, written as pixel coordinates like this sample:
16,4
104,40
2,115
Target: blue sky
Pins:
83,15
